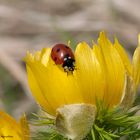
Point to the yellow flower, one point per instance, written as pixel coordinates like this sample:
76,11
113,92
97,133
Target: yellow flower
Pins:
101,73
136,64
12,130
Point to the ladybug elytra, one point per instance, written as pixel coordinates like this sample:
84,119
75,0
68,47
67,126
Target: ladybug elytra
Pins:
63,55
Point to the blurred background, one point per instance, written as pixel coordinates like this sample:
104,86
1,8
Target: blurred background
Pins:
33,24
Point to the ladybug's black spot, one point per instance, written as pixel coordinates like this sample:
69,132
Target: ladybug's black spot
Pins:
58,50
55,58
66,47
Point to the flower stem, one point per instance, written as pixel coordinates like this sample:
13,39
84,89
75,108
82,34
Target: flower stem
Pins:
92,134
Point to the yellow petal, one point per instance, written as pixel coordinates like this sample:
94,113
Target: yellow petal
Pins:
129,93
56,86
123,56
45,53
24,128
40,57
136,65
36,91
89,74
9,127
37,56
113,69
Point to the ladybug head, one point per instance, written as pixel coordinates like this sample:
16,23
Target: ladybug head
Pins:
69,64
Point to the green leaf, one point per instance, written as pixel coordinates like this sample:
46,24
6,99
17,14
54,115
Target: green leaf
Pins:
48,135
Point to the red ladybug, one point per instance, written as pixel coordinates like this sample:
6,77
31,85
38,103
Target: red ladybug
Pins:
63,55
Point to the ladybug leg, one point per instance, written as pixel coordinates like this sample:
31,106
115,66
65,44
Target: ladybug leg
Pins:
67,73
65,70
71,72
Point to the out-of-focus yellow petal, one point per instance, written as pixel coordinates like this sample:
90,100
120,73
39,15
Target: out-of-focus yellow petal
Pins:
56,86
136,65
123,56
89,73
113,69
9,127
24,128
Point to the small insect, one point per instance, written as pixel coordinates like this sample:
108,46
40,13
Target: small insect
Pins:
63,55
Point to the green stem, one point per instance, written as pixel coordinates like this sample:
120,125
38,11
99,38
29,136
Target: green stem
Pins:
92,134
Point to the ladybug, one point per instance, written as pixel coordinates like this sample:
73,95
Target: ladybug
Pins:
63,55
